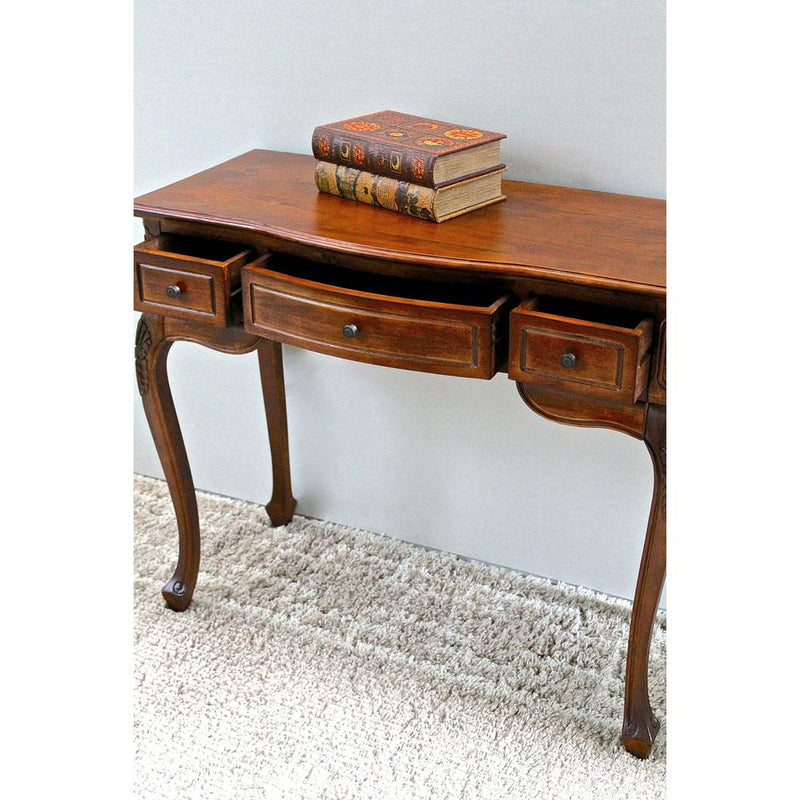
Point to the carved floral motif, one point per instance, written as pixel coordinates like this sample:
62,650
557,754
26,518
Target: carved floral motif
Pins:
144,341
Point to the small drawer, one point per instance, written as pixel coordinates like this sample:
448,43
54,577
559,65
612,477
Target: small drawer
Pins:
188,277
590,350
394,322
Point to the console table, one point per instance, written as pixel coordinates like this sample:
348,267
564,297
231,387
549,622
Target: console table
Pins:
562,289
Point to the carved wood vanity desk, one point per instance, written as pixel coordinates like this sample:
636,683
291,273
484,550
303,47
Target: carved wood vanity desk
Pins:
563,289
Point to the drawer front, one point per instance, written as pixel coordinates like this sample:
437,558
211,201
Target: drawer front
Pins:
157,286
191,278
391,331
607,360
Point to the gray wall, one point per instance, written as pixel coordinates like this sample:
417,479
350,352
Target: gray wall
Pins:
579,87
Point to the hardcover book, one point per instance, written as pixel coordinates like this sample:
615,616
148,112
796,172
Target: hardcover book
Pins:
423,202
427,152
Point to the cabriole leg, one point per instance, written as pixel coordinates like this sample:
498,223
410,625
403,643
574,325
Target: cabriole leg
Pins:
151,373
647,422
640,726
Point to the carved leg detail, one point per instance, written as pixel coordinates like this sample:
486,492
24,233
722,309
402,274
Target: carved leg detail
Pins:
151,372
270,361
640,727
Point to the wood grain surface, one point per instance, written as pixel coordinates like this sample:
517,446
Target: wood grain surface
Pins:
582,237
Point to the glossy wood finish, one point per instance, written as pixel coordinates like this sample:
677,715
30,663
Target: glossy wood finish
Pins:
573,236
154,337
326,262
585,412
206,273
420,332
607,356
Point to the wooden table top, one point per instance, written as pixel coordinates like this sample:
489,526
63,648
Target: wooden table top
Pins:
591,238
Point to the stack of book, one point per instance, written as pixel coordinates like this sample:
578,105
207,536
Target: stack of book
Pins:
422,167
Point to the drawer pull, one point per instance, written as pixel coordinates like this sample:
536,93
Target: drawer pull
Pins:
173,291
568,360
350,331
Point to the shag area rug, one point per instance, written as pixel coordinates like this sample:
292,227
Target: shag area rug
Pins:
319,662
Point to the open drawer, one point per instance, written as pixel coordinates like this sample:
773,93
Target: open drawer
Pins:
446,329
190,277
595,351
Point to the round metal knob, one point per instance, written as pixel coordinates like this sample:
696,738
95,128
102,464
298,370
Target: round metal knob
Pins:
350,331
568,360
173,291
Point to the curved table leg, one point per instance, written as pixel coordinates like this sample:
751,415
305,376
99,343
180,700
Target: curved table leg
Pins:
647,422
152,348
270,362
154,337
640,726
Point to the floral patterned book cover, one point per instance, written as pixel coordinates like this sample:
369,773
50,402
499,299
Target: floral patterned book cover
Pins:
403,146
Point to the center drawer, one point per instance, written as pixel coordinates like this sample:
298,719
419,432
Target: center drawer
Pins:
445,329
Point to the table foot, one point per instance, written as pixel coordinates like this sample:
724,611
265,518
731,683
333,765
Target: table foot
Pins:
639,733
175,593
281,512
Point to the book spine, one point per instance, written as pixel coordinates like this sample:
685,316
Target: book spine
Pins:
390,159
376,190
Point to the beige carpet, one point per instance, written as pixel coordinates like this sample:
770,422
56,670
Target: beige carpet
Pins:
320,662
